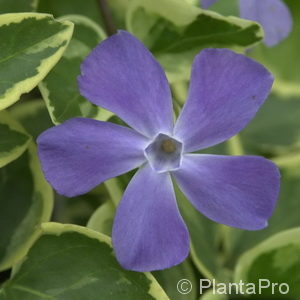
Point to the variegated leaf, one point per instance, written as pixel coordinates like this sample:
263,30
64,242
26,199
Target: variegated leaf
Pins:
31,44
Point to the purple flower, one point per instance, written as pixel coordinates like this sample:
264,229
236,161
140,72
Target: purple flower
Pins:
121,75
273,15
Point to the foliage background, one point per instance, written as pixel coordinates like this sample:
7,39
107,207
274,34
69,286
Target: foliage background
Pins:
38,90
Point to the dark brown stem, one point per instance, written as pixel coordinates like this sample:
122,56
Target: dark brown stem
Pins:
109,24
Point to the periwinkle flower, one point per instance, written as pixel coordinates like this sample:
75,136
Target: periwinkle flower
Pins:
121,75
273,15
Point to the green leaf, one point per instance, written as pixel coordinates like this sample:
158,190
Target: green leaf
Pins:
88,8
13,139
114,190
283,59
102,218
26,201
70,262
267,133
60,89
276,259
78,210
9,6
31,44
175,31
169,278
33,115
226,7
194,2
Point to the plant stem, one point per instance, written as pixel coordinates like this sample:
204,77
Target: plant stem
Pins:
235,146
114,190
109,24
290,160
180,91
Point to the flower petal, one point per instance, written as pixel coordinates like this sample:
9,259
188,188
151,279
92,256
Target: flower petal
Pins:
238,191
81,153
122,76
207,3
273,15
226,90
148,232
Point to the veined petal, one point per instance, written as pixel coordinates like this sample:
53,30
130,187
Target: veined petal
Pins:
238,191
207,3
122,76
148,232
81,153
226,90
273,15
